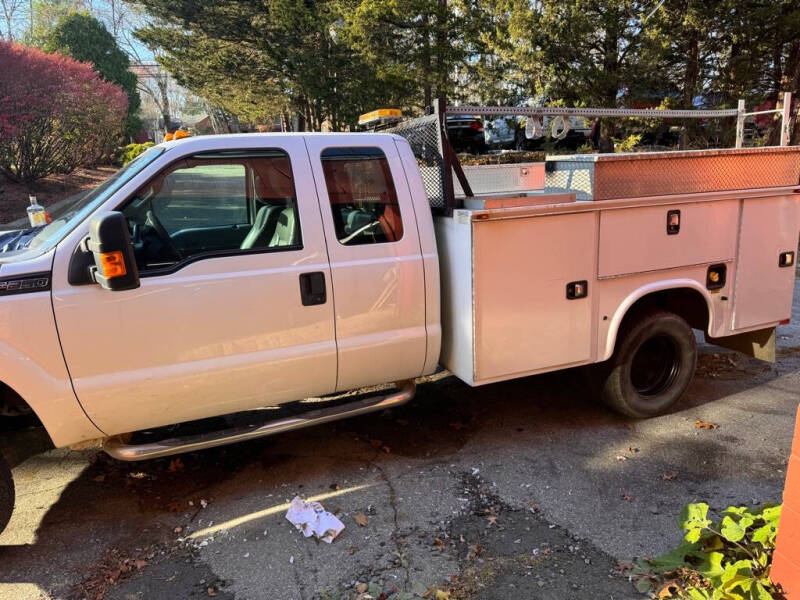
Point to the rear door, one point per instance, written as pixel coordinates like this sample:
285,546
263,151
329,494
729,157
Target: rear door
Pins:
220,323
375,258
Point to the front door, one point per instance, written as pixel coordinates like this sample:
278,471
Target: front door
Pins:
375,257
219,323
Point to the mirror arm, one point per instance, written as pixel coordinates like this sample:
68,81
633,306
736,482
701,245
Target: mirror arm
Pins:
81,265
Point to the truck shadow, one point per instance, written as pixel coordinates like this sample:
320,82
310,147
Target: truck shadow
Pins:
133,508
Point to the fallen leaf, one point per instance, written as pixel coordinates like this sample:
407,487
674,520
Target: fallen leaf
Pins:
386,449
492,519
140,564
442,595
438,543
669,590
361,587
211,591
137,475
178,530
621,457
669,476
627,498
705,425
176,464
352,550
474,550
632,450
360,518
376,443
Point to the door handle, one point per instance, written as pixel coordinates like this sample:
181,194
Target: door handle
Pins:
312,288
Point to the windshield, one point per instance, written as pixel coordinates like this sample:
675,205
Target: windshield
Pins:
18,238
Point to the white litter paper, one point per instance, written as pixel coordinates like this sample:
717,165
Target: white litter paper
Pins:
312,519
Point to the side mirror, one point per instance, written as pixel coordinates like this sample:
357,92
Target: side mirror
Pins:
114,262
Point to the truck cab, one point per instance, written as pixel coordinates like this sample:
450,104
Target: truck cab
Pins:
264,277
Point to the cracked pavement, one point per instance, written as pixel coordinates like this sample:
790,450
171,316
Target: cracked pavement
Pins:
526,489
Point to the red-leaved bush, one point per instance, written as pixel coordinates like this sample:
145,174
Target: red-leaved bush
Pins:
56,114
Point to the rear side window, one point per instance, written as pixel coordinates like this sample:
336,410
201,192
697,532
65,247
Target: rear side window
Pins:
362,196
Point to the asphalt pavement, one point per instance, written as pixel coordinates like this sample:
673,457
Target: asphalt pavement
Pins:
527,489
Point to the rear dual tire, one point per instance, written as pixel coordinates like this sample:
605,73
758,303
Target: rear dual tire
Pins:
6,493
653,364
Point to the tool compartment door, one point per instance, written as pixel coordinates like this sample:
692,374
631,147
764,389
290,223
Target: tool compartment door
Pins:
523,320
763,293
636,240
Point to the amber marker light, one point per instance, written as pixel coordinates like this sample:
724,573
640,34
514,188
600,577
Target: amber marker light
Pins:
113,264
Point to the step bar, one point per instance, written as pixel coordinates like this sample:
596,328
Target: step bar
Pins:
119,448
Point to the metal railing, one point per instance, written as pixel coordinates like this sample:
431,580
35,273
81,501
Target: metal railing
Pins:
644,113
786,119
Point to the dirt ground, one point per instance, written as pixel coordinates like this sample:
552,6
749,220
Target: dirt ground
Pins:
14,196
525,490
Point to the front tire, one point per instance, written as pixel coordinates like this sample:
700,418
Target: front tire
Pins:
653,364
6,493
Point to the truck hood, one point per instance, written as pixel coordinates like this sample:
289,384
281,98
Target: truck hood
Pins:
15,240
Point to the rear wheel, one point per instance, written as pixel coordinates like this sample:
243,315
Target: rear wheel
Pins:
6,493
653,364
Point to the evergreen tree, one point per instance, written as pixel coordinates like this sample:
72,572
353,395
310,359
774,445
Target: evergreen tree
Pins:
86,39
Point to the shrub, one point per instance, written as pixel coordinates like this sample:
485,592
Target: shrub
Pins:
628,144
56,114
728,560
127,153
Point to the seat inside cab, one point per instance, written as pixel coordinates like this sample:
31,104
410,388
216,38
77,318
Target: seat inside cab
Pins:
275,222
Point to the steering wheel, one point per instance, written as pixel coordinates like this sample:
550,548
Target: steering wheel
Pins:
152,221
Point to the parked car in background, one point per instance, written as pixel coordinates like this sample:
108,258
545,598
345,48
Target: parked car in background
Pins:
501,132
466,134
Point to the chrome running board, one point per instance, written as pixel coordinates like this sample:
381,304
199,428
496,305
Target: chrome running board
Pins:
118,447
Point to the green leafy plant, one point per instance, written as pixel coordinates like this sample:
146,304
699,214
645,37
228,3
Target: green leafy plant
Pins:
628,144
127,153
725,560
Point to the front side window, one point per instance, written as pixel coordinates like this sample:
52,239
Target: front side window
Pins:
362,196
212,204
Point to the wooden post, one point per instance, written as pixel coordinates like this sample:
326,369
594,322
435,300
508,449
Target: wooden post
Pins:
786,560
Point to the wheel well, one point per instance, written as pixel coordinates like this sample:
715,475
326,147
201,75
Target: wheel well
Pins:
14,411
687,303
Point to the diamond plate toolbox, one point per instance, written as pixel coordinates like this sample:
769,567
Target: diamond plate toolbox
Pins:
635,175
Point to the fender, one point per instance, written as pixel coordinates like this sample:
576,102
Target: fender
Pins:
32,364
50,397
645,290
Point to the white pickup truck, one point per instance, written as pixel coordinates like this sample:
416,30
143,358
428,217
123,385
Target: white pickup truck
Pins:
227,275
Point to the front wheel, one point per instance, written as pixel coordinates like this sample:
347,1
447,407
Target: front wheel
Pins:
6,493
653,364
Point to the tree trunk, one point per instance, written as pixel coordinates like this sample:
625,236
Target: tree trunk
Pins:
611,84
690,78
162,84
442,48
426,63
